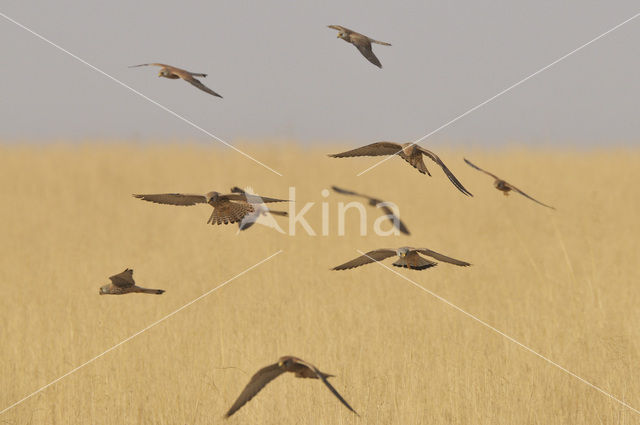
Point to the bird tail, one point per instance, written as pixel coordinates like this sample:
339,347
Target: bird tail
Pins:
152,291
380,42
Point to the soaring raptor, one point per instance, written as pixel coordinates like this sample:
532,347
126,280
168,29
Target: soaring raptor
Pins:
173,73
229,208
299,367
410,152
504,186
407,257
362,43
374,202
123,283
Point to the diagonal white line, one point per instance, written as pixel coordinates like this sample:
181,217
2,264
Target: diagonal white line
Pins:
499,332
492,98
175,114
137,333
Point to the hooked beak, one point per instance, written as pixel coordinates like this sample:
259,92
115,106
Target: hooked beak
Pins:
159,74
338,35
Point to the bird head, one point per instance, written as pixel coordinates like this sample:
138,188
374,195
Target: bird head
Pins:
103,289
285,361
212,196
163,73
402,252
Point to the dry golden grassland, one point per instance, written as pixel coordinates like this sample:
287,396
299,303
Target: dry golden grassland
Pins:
565,283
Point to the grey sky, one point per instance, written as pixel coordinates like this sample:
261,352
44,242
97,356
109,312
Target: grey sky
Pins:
285,76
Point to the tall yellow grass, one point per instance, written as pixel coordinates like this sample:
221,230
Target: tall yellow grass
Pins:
565,283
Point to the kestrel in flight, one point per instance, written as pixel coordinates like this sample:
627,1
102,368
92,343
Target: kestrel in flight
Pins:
123,283
504,186
410,152
260,209
229,208
267,374
362,43
173,73
407,257
395,220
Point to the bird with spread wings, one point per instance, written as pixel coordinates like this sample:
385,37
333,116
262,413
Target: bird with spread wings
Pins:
227,208
299,367
410,152
504,186
173,73
123,283
408,257
374,202
362,43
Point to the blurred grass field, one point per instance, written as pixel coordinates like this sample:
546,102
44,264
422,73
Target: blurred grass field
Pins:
565,283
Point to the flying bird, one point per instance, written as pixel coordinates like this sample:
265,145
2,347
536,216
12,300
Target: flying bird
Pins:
407,257
123,283
410,152
362,43
299,367
173,73
504,186
229,208
260,210
374,202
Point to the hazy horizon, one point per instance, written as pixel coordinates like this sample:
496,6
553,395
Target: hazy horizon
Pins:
285,76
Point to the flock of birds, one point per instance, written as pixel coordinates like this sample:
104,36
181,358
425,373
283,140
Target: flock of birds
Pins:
244,208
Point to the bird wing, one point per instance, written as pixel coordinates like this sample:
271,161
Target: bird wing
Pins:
265,200
225,212
384,43
527,196
448,172
249,197
374,149
280,213
124,279
346,192
323,378
248,221
369,257
173,198
195,82
257,382
364,46
441,257
480,169
340,28
153,64
397,223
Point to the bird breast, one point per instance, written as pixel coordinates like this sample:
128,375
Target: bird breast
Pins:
408,149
